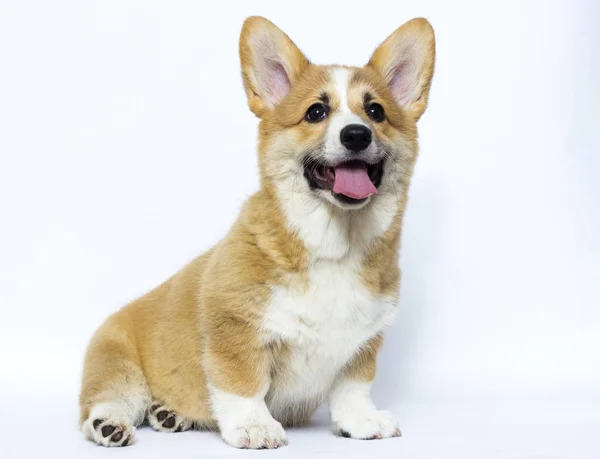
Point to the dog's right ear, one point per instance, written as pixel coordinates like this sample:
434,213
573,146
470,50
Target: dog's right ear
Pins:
271,63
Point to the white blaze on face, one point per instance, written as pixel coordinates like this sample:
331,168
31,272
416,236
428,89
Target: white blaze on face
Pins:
342,117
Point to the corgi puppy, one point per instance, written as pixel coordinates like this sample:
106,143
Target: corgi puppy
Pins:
289,309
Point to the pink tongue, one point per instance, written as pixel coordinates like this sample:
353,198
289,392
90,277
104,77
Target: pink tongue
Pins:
352,180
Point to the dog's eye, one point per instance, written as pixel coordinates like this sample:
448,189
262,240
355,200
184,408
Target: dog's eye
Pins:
315,113
375,112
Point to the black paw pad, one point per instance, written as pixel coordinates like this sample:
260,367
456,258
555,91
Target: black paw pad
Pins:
345,434
161,416
97,422
169,423
107,430
153,408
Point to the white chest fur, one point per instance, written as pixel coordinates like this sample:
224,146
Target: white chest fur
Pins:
323,327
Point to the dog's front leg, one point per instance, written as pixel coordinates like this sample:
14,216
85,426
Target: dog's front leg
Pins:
238,372
353,413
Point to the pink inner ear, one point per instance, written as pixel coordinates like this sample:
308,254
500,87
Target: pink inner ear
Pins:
402,83
279,83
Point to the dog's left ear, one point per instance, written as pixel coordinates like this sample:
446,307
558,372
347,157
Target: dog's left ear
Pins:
406,60
271,63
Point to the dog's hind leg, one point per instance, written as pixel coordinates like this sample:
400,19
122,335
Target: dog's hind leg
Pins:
162,419
114,395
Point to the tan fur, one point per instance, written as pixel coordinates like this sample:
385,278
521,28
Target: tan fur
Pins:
363,366
204,322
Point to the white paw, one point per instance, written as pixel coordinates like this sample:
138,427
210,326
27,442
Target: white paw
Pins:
367,425
245,422
109,431
268,434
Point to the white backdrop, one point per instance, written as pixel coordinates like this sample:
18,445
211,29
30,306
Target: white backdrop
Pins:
118,165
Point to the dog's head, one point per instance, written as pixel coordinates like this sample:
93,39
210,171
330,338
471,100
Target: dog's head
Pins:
342,135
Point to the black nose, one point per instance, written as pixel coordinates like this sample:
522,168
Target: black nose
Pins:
355,137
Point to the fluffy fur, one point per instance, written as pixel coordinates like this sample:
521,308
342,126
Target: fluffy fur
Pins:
289,309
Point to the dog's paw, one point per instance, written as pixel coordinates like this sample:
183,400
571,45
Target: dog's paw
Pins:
368,425
266,435
162,419
109,431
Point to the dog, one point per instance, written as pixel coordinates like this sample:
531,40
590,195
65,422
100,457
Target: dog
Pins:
288,311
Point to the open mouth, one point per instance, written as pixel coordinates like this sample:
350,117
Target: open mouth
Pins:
351,182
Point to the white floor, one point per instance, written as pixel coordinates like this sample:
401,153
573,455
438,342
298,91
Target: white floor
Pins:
488,429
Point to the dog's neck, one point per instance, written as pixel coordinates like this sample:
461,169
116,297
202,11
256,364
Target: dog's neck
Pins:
331,233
